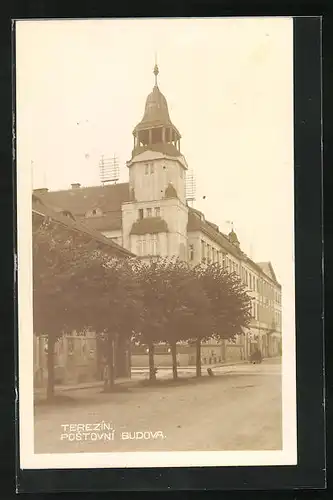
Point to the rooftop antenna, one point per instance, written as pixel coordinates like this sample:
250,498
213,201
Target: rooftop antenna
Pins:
190,187
109,169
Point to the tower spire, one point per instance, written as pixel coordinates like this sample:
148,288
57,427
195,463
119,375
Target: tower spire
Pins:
156,70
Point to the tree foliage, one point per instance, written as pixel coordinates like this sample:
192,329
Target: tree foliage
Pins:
78,285
175,306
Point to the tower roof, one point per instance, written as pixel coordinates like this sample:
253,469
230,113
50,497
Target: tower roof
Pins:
233,237
156,112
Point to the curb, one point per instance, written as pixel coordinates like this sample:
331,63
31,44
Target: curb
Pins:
142,370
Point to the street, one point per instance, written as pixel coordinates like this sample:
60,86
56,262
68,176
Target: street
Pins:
237,409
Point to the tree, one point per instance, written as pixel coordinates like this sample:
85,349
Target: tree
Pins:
150,277
175,306
54,252
230,305
77,285
110,301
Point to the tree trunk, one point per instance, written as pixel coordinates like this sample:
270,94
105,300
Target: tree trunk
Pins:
198,356
152,372
174,360
50,366
109,382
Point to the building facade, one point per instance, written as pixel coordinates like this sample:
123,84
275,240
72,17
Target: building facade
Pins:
149,216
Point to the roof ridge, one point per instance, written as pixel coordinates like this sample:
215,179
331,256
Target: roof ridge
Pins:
69,190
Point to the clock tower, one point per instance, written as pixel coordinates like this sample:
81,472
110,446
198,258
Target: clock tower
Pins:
155,219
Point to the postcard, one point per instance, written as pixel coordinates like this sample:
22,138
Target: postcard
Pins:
155,215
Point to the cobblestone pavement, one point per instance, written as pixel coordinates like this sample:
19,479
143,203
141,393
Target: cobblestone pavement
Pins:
238,409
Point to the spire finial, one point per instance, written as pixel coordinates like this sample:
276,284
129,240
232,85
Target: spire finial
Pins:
156,70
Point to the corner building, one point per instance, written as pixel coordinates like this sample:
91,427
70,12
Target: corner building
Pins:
149,216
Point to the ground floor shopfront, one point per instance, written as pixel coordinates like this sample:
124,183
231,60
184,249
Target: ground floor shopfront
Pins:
79,359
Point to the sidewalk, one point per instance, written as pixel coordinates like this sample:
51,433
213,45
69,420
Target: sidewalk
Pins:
138,374
145,369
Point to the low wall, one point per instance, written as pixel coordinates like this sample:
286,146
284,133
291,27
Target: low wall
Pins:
210,354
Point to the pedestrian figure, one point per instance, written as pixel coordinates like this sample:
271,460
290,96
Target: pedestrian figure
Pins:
256,356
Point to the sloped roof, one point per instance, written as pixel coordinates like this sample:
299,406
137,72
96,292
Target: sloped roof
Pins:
268,269
41,209
196,223
111,221
108,198
79,201
156,112
170,191
160,147
150,225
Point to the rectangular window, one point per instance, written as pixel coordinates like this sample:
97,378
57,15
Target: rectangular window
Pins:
144,248
140,213
149,212
146,169
202,249
157,212
154,245
158,250
138,247
152,168
191,252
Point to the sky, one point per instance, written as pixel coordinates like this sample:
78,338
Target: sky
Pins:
81,87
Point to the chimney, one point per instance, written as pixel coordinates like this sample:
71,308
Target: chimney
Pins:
41,190
76,185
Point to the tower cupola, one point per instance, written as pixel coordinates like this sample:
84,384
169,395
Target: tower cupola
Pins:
155,131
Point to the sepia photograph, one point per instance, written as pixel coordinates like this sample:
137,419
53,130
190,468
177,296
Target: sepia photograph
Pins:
155,229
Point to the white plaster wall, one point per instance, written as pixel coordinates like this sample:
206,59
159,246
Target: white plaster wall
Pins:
152,186
194,239
129,216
